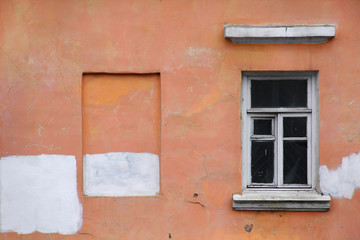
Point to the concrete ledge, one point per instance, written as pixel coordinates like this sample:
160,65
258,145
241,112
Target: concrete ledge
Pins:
281,201
299,34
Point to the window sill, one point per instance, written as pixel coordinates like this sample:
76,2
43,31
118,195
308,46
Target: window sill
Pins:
285,200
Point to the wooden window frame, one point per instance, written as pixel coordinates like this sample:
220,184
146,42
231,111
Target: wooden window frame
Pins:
279,196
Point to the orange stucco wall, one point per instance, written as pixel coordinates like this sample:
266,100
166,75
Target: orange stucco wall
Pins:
121,113
46,46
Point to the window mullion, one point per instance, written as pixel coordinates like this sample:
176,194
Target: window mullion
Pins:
309,130
309,91
279,141
309,150
248,165
246,119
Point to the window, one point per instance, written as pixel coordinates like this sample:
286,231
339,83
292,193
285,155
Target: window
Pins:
279,115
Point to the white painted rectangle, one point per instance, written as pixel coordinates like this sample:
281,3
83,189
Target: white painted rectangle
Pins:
121,174
39,193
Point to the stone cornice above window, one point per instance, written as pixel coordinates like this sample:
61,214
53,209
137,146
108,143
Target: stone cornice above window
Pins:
298,34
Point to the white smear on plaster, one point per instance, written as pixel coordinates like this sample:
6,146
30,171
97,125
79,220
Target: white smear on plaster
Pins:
341,182
121,174
40,128
31,60
38,193
194,52
203,57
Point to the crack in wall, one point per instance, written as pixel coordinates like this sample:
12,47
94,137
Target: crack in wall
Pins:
195,147
196,202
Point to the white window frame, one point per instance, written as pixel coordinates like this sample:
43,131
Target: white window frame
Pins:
267,196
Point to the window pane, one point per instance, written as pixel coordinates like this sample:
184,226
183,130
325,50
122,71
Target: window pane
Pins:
262,161
278,93
262,127
295,162
294,126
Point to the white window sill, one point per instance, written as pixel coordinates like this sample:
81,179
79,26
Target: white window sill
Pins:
284,200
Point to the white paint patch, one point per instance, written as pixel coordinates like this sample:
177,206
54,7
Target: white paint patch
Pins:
202,57
121,174
40,128
342,182
194,52
38,193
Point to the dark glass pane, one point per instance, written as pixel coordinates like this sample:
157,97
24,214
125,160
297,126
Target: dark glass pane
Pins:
262,161
293,93
294,126
295,162
262,127
278,93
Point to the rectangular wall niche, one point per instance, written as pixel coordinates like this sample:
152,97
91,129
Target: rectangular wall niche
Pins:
121,134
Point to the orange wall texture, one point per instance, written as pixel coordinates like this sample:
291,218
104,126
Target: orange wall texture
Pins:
169,60
121,113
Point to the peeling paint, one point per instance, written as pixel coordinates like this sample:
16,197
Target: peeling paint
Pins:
341,182
39,193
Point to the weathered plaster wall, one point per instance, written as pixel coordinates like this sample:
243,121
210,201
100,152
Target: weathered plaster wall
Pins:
46,46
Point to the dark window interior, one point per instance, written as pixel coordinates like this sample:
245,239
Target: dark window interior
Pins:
294,126
278,93
262,127
262,161
295,162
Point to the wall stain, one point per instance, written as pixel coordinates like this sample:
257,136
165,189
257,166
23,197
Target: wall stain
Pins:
248,227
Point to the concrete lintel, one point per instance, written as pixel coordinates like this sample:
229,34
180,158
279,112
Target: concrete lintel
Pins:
299,34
